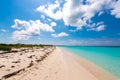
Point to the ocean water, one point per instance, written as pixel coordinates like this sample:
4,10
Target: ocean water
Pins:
106,57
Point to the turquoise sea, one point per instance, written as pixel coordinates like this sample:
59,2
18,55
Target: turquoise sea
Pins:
106,57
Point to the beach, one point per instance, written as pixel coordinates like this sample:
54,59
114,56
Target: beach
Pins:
49,63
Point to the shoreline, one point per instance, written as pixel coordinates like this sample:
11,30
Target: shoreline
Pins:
51,63
95,70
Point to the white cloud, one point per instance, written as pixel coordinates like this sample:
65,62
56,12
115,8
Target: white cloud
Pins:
3,30
53,24
42,16
116,9
97,27
21,35
49,19
62,34
99,23
100,13
73,30
74,12
78,14
51,10
100,28
26,29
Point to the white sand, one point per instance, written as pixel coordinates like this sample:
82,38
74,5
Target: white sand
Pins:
58,65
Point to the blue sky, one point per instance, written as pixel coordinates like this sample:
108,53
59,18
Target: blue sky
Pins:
68,22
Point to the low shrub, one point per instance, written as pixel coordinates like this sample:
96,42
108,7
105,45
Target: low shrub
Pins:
5,48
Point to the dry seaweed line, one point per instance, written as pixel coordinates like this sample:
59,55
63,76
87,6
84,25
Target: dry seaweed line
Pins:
12,74
30,65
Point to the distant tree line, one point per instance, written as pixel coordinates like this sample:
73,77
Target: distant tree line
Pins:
8,47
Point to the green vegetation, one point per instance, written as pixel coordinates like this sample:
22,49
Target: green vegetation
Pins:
5,48
8,47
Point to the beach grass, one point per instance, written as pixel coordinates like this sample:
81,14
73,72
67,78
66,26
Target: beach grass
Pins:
5,48
9,47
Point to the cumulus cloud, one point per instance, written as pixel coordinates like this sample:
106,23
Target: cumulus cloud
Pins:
80,14
77,13
116,9
53,24
26,29
62,34
51,10
21,35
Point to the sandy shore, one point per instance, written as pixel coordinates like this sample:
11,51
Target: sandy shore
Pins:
48,63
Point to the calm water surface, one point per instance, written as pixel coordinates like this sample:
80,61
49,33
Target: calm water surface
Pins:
106,57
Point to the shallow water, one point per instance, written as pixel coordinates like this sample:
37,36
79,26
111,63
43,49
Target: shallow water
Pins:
106,57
